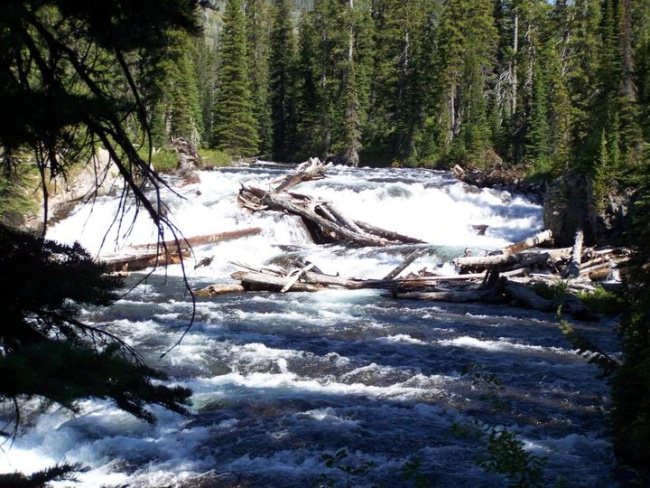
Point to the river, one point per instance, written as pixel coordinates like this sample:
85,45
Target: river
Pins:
281,381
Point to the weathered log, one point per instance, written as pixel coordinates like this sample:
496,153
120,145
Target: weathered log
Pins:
201,240
477,263
386,234
573,270
569,304
406,263
313,169
529,297
219,289
324,222
295,276
533,241
330,225
138,262
266,282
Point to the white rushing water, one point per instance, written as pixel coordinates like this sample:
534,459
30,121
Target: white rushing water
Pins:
281,380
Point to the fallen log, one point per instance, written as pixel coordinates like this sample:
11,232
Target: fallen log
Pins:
529,297
252,281
220,289
390,235
188,242
295,276
479,263
142,256
325,224
313,169
488,287
446,296
141,261
533,241
567,304
406,263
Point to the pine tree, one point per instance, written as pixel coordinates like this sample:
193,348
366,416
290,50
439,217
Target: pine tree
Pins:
582,21
560,112
538,136
206,64
351,139
235,127
258,26
466,55
396,108
281,79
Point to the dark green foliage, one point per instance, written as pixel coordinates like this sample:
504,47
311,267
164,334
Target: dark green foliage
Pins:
603,301
537,138
71,75
205,62
466,51
506,455
281,79
40,479
68,75
171,90
396,104
46,352
17,197
235,129
258,26
631,385
329,117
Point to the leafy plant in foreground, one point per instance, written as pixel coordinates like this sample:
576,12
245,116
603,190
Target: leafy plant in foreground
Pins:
506,455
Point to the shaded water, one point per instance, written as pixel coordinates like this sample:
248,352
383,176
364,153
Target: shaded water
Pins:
281,380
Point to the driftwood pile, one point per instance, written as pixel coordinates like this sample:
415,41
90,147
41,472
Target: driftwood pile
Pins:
324,222
509,276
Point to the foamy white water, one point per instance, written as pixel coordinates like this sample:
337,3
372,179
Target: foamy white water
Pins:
280,380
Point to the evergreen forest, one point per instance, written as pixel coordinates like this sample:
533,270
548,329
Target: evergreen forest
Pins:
541,88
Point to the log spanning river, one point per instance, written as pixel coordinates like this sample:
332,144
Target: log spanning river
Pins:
399,389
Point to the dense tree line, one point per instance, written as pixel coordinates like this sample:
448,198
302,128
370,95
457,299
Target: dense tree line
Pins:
549,86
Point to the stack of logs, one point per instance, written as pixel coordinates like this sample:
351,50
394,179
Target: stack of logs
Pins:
325,223
509,276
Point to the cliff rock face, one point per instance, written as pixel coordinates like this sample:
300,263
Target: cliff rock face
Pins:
569,205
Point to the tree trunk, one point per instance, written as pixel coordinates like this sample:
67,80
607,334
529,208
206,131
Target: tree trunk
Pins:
573,270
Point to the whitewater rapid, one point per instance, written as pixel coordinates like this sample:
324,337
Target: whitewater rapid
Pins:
279,381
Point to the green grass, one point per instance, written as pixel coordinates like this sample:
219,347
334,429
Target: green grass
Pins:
214,158
164,160
603,301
